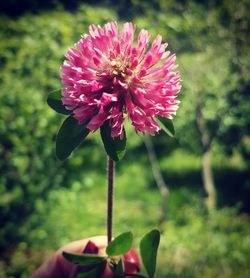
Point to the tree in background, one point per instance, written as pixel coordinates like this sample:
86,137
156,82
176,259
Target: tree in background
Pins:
213,42
215,78
207,82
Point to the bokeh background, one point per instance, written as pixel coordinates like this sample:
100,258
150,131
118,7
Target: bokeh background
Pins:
194,187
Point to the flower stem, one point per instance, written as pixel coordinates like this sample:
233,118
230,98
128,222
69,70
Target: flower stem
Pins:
111,170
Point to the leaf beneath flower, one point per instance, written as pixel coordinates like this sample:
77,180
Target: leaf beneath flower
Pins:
115,147
166,125
120,245
148,249
69,136
83,259
55,102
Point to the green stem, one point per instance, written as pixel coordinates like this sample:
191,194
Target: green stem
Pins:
111,170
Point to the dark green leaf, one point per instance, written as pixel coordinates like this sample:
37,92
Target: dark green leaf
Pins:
55,102
148,248
94,273
83,259
56,95
117,269
166,125
70,135
120,245
115,147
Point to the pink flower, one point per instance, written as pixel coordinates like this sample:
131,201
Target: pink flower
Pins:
108,77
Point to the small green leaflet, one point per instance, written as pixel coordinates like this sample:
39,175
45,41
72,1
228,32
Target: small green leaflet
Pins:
148,249
166,125
83,259
115,147
69,136
55,102
120,245
96,272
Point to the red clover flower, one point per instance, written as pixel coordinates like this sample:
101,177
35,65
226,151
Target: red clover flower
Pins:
108,77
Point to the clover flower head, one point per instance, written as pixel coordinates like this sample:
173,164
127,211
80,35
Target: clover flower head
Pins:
108,76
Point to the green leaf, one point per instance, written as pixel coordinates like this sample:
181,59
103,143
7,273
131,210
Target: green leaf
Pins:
83,259
148,249
95,272
69,136
120,245
117,269
55,102
115,147
166,125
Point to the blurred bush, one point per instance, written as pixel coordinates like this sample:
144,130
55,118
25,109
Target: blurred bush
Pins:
32,50
194,245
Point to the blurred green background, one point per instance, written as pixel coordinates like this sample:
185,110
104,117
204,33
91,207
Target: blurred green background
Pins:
194,187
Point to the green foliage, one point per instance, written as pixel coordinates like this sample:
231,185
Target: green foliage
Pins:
193,244
148,249
94,273
115,147
55,102
212,48
205,246
32,49
120,245
167,126
70,135
83,259
117,269
36,190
